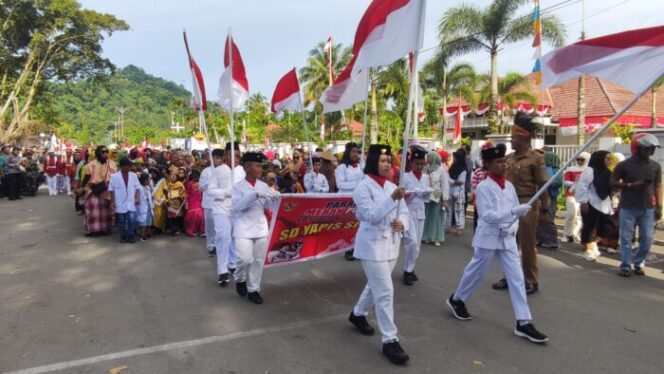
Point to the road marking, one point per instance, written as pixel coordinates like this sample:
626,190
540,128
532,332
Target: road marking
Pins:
173,346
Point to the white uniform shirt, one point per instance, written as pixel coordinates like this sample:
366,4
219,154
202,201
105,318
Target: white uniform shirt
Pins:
203,183
249,203
375,239
219,188
146,205
348,177
316,183
419,192
125,195
440,183
584,192
496,225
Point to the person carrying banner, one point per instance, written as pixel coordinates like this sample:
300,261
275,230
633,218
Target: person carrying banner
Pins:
418,193
383,217
251,199
314,181
499,209
220,189
527,172
348,175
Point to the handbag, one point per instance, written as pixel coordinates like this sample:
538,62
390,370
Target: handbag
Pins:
99,188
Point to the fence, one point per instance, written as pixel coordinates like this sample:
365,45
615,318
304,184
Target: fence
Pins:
565,152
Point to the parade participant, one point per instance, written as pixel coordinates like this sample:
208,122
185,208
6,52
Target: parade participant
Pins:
348,175
175,194
640,180
145,210
434,224
51,167
328,169
314,181
69,170
220,189
208,201
499,210
194,220
159,200
251,198
572,225
478,176
456,214
593,193
98,212
377,247
125,195
14,177
547,232
419,190
31,174
526,171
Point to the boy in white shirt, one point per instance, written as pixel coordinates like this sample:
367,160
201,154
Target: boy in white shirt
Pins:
314,181
125,196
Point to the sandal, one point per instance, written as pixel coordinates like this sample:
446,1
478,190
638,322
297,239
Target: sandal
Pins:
624,273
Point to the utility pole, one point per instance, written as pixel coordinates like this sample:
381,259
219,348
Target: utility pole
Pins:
581,109
122,111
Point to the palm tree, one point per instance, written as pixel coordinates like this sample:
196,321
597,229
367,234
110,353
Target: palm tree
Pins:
653,89
315,75
468,28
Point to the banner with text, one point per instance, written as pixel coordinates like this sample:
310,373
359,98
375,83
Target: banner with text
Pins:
311,226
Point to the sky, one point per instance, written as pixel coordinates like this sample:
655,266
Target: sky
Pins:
276,35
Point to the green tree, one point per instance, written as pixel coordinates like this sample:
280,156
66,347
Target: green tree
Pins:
653,91
46,40
467,28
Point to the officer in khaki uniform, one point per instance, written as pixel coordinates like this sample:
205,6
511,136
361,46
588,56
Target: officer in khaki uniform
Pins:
527,172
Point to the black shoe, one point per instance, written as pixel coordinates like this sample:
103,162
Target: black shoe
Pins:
212,252
255,298
531,288
529,332
223,280
500,285
349,255
414,276
395,353
123,239
361,323
408,278
241,288
458,308
132,240
231,270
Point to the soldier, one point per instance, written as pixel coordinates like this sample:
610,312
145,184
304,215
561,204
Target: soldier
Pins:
527,172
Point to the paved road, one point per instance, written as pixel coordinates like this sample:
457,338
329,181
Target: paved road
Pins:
71,304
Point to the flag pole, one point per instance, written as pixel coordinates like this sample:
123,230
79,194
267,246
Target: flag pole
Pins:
592,139
201,121
229,46
304,123
364,124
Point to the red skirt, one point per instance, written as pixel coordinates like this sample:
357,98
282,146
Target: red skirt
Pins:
194,222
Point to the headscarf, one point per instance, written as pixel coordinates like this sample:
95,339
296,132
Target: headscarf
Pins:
459,163
433,161
601,174
551,160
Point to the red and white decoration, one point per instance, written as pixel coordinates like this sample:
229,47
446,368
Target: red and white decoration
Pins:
388,31
233,85
482,109
287,94
198,99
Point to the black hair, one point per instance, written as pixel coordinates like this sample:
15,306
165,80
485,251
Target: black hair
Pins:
98,152
144,178
217,152
371,167
195,175
346,158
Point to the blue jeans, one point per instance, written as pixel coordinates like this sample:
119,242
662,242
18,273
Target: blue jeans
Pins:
645,219
127,224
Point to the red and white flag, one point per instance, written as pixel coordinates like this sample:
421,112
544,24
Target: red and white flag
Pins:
287,94
198,99
328,49
389,30
233,85
634,59
456,137
346,90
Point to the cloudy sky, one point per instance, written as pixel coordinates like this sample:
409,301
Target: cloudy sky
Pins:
274,36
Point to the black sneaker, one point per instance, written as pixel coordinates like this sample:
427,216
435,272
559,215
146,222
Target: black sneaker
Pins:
255,298
231,270
349,255
223,280
361,323
408,278
241,288
500,285
529,332
212,252
123,239
531,288
458,308
415,278
132,240
395,353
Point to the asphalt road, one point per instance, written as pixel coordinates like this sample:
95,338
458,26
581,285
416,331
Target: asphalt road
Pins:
71,304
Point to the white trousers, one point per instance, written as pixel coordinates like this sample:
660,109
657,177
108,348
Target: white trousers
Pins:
379,291
223,241
52,183
511,264
412,243
209,228
250,260
66,182
572,217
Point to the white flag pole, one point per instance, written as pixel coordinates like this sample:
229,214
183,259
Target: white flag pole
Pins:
201,120
364,124
306,128
231,111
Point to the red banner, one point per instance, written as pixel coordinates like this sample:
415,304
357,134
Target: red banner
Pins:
311,226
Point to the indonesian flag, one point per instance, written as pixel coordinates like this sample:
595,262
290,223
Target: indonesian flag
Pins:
346,90
389,30
287,94
456,137
634,59
198,99
233,85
